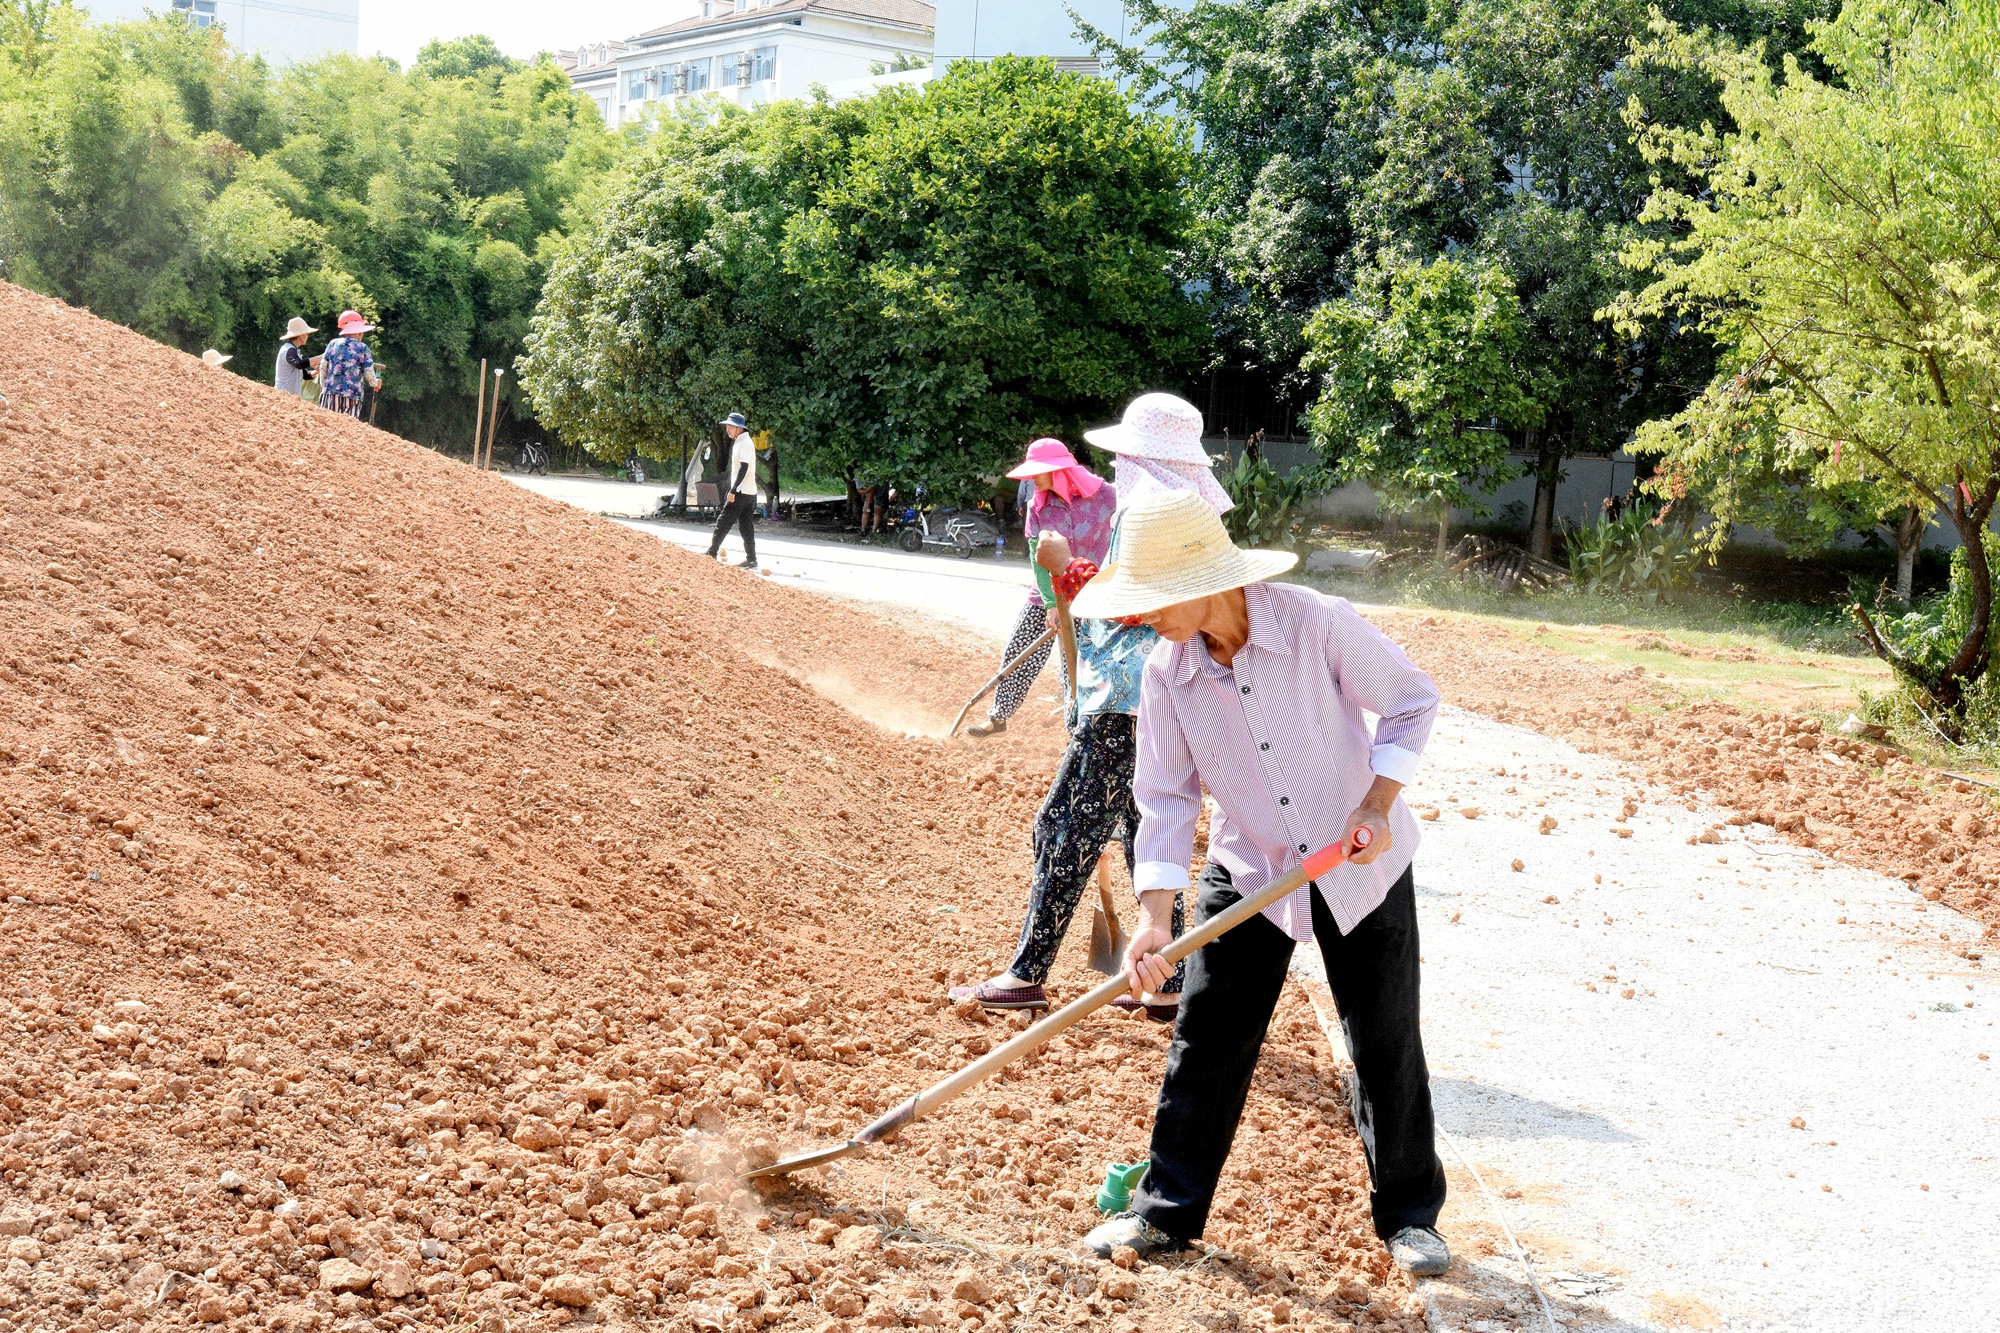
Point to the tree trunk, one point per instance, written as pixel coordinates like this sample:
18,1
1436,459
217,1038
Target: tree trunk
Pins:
1444,530
1548,475
1947,686
1909,541
853,497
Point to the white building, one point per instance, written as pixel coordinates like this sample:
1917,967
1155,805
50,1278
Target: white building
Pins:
756,51
282,31
983,29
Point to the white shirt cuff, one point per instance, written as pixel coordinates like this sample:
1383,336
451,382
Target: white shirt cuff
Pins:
1150,875
1394,763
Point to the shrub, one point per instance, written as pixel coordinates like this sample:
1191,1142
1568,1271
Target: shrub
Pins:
1266,503
1637,554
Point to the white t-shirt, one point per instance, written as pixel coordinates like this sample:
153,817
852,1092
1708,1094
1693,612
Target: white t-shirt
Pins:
743,458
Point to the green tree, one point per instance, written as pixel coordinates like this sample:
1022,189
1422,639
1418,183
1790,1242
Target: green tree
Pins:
1419,383
154,174
1335,133
994,263
1840,248
674,308
917,282
464,58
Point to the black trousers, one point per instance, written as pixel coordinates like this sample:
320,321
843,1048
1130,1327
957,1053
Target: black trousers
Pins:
742,511
1232,989
1088,805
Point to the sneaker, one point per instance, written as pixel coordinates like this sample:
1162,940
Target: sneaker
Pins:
992,726
1145,1239
1420,1251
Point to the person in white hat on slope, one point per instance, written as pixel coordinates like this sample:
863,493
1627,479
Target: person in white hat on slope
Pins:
1257,692
215,360
294,366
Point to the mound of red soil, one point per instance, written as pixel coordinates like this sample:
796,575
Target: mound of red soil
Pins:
417,897
1852,798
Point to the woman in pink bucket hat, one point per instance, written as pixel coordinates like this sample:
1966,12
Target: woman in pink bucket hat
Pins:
346,366
1071,500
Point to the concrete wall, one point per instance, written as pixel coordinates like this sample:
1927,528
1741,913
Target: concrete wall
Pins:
282,31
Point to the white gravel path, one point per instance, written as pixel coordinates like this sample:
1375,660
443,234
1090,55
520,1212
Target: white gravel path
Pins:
1624,1065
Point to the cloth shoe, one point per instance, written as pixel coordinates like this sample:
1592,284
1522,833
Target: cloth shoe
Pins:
1420,1251
1131,1229
990,996
992,726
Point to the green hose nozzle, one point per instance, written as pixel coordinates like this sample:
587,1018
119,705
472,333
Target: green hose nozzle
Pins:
1119,1181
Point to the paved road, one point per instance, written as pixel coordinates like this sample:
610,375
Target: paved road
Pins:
1625,1064
981,594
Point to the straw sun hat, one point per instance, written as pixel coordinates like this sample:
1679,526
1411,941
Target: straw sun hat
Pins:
211,357
1172,548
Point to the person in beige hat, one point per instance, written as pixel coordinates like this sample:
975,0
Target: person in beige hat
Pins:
1258,693
215,360
294,366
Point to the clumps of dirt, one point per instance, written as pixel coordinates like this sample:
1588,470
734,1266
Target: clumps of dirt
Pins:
415,905
1853,798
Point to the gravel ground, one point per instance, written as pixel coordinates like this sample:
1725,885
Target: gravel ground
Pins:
1744,1084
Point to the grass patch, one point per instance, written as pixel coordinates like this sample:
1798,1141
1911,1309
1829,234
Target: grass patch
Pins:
1708,618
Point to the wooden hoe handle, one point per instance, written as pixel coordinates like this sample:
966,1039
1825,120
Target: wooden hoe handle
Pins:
1004,672
1067,1017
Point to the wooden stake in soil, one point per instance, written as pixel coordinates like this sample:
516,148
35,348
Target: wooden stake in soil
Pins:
493,421
479,421
1063,1019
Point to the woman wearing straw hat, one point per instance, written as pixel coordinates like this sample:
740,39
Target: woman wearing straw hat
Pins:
1257,693
294,366
1073,502
346,366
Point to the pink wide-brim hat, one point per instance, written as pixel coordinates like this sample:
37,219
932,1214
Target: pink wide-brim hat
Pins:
351,321
1045,456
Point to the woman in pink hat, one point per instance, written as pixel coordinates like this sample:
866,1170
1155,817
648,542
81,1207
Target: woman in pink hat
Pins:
1089,808
346,366
1076,503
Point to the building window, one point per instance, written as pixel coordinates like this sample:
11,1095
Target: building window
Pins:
635,88
199,12
764,64
697,72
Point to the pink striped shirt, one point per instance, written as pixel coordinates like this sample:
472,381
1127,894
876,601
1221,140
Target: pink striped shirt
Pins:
1279,740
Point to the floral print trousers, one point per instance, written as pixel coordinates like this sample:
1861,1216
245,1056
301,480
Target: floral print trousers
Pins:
1089,804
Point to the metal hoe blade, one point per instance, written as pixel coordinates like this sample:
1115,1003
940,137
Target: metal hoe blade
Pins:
806,1161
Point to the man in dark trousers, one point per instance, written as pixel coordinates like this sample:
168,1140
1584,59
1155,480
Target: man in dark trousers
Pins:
739,484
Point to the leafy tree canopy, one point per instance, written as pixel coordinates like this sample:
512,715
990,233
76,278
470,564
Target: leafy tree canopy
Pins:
1339,136
915,283
1840,246
1420,378
153,174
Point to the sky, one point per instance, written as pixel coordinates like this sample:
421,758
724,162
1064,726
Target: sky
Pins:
399,28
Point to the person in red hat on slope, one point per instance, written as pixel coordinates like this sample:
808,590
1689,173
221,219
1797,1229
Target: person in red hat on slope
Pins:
346,367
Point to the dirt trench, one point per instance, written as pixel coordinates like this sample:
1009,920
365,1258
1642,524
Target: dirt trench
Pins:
416,897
